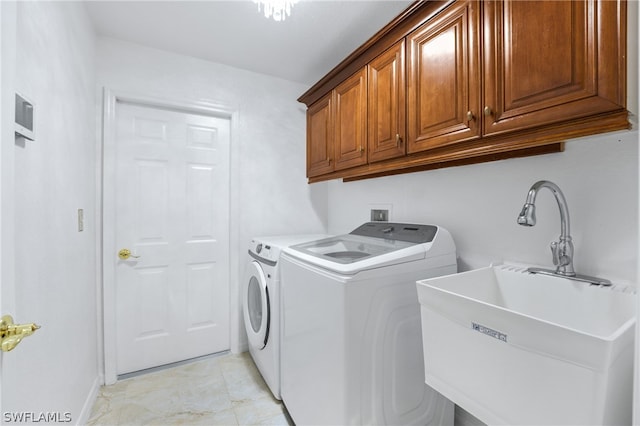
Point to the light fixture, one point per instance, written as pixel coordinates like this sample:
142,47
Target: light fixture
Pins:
276,9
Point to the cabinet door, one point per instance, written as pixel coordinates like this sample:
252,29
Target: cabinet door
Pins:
319,138
387,109
542,62
444,80
350,121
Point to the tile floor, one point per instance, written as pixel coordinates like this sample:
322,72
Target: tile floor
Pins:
218,390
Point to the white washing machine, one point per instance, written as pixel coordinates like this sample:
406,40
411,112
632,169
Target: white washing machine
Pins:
352,343
262,301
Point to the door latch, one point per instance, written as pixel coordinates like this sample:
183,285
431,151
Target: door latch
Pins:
11,334
125,254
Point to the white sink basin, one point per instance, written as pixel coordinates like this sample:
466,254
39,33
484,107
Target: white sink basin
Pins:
515,348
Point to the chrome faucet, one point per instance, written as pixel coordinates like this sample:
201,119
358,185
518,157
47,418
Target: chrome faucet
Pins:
562,250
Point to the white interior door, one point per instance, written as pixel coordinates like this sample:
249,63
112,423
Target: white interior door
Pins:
172,213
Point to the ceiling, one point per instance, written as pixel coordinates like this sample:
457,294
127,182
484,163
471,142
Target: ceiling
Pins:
317,36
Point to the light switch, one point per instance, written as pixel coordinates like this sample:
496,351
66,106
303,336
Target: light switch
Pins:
80,220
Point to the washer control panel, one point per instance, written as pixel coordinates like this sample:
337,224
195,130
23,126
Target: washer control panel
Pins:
409,232
263,252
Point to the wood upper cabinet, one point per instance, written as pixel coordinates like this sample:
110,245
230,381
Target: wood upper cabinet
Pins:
320,137
444,79
337,128
387,107
350,121
452,82
551,61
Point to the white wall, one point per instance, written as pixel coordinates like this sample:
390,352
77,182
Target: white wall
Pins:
479,204
56,369
269,191
633,33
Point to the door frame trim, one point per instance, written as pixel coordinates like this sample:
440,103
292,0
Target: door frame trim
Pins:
105,201
8,43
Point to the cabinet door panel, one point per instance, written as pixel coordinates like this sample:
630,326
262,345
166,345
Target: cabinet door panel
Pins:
351,121
319,138
387,109
541,63
444,81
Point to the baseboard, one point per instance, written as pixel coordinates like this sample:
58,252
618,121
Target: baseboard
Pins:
240,348
88,403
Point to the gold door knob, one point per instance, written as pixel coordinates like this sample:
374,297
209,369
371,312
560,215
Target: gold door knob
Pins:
487,111
470,116
125,254
11,334
398,139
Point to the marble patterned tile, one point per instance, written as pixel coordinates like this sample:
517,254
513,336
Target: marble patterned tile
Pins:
220,390
260,411
221,418
243,379
104,412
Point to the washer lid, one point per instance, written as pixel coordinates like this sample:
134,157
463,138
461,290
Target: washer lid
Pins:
350,248
369,240
352,253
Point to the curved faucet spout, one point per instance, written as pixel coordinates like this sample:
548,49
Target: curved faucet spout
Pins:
565,230
561,250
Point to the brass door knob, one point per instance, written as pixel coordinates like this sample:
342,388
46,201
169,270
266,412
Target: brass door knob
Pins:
470,116
488,111
125,254
11,334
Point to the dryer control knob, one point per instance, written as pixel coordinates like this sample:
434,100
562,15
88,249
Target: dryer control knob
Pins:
258,248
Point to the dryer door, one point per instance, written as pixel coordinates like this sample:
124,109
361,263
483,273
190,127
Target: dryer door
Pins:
256,307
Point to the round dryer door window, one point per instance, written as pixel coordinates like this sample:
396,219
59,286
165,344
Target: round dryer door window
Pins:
256,306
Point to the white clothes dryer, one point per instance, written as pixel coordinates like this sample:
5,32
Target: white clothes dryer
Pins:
261,303
352,349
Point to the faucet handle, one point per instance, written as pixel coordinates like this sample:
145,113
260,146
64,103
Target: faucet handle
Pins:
561,255
555,253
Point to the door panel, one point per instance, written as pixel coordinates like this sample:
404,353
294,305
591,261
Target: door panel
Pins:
172,212
320,138
387,109
351,121
444,82
521,89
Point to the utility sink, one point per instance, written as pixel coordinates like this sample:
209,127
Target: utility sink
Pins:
515,348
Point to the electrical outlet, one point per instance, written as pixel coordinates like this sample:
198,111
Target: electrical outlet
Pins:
379,215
